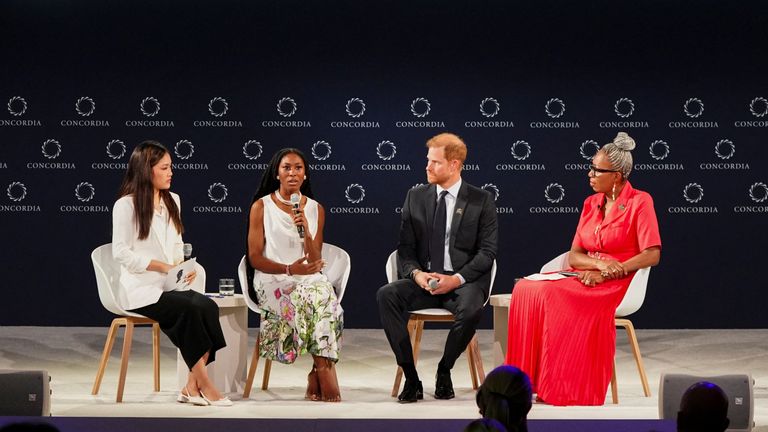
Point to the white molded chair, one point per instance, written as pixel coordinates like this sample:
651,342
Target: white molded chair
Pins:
416,329
107,272
337,268
631,303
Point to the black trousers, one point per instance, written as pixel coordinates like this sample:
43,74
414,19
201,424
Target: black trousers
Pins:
397,298
191,321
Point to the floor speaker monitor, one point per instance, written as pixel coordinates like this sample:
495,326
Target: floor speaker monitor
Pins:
738,388
24,393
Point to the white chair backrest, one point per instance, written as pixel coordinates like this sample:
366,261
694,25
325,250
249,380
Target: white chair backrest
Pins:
633,298
338,266
391,269
107,272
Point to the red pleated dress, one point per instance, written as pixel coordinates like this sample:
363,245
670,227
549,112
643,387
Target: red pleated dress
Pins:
562,333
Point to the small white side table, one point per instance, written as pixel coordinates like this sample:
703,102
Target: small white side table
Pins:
500,303
228,371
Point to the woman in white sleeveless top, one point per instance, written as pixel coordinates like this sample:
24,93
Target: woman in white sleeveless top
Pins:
284,248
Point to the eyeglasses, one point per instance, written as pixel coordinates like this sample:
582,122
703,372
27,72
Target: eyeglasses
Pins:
596,170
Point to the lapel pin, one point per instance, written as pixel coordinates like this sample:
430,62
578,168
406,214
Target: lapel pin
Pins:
459,211
622,207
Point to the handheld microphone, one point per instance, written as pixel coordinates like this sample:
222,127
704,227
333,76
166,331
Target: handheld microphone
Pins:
187,251
433,284
295,199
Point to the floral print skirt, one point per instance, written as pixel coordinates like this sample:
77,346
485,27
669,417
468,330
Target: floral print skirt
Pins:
300,315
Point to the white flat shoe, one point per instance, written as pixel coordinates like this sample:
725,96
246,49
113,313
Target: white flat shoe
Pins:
223,402
194,400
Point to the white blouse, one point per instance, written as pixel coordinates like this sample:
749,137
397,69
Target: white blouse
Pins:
139,286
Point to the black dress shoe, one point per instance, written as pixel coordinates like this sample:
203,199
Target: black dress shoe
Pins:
444,386
412,391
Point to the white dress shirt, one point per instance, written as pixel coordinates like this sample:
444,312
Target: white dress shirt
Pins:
450,204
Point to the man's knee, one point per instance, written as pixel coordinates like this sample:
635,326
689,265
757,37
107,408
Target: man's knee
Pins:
385,294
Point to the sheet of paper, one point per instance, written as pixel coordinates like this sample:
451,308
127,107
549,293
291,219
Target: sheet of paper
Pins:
545,277
174,281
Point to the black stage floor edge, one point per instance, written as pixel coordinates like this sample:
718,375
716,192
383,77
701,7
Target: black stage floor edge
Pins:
147,424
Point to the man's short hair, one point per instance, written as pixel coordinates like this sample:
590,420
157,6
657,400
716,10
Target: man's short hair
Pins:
455,149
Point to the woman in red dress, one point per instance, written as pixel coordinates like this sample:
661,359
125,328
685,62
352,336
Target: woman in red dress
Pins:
562,333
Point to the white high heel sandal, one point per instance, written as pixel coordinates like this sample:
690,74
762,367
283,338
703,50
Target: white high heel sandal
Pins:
194,400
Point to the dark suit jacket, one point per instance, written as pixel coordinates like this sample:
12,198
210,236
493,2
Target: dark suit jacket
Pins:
474,232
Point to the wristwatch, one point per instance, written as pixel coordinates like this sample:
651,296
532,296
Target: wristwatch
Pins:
414,272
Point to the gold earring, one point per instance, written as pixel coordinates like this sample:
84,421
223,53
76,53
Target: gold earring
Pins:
305,177
613,192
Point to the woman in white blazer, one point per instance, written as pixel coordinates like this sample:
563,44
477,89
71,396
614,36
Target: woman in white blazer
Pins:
146,241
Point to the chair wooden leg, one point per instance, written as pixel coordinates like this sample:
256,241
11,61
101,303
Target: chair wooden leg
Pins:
116,323
127,340
472,366
267,370
417,341
627,324
478,372
252,369
399,373
156,354
614,385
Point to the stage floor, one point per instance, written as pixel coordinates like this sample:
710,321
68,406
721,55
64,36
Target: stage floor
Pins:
366,372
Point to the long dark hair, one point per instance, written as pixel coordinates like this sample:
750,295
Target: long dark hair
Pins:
270,183
505,395
138,182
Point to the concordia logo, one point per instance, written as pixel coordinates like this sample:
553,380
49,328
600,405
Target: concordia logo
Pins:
693,108
494,190
217,192
17,106
386,151
725,149
355,194
758,107
520,150
420,108
84,192
624,107
252,150
184,149
287,107
218,106
758,193
150,106
51,149
423,106
554,108
115,144
587,150
659,150
491,103
17,192
693,193
355,107
554,193
85,106
321,151
115,150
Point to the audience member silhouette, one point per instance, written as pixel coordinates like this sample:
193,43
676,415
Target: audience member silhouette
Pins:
505,396
703,408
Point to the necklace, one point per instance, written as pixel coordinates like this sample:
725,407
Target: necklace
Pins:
285,201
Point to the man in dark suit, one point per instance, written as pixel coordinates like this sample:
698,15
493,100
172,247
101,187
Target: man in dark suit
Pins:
448,237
